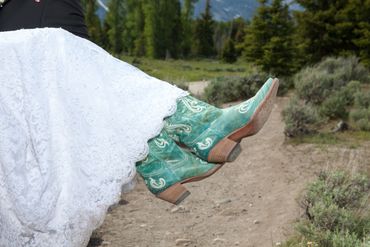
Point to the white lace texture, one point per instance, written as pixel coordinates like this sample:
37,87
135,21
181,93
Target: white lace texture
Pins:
73,122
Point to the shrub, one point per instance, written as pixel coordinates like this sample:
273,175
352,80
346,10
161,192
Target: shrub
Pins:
347,68
361,118
329,87
285,84
335,106
315,84
360,115
337,212
228,89
300,119
362,99
338,189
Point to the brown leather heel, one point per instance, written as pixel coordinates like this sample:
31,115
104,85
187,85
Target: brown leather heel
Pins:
225,150
174,194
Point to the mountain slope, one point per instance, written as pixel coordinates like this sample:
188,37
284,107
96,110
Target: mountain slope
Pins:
222,10
226,10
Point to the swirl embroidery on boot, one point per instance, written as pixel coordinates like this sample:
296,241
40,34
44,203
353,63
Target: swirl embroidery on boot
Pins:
244,108
192,105
157,185
206,144
182,128
161,143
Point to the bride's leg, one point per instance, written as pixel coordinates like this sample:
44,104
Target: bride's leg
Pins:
214,134
167,167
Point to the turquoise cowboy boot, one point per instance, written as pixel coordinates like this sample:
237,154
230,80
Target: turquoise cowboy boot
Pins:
167,167
214,134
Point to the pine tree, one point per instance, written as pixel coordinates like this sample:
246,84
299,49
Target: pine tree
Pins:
115,20
238,28
204,31
278,52
229,53
139,43
269,41
134,28
258,34
151,23
324,29
222,33
171,28
162,28
187,22
358,12
92,21
104,38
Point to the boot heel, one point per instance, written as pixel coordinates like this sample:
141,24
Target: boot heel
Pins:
226,150
174,194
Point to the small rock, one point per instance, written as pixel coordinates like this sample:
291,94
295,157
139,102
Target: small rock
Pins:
123,202
177,209
225,201
182,241
341,126
256,222
143,225
95,242
237,243
250,205
112,207
218,240
278,244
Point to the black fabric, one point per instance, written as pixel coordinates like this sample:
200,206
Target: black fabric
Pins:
67,14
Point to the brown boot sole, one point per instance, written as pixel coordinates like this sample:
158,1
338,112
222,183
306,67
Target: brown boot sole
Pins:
176,193
228,149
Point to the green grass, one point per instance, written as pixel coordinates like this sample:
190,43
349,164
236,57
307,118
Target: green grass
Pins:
351,139
180,71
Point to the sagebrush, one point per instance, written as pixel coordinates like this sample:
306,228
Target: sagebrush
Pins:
337,212
328,91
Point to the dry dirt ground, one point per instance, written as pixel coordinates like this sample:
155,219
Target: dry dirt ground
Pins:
197,87
250,202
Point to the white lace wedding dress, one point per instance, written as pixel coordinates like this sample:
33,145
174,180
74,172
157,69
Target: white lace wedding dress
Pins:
73,122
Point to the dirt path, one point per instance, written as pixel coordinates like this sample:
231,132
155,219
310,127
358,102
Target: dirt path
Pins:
197,87
250,202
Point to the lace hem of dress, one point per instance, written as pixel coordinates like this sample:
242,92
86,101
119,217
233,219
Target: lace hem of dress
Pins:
73,123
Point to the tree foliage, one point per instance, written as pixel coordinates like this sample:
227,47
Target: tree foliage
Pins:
115,19
338,28
269,38
204,30
162,28
92,21
187,27
275,39
229,52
